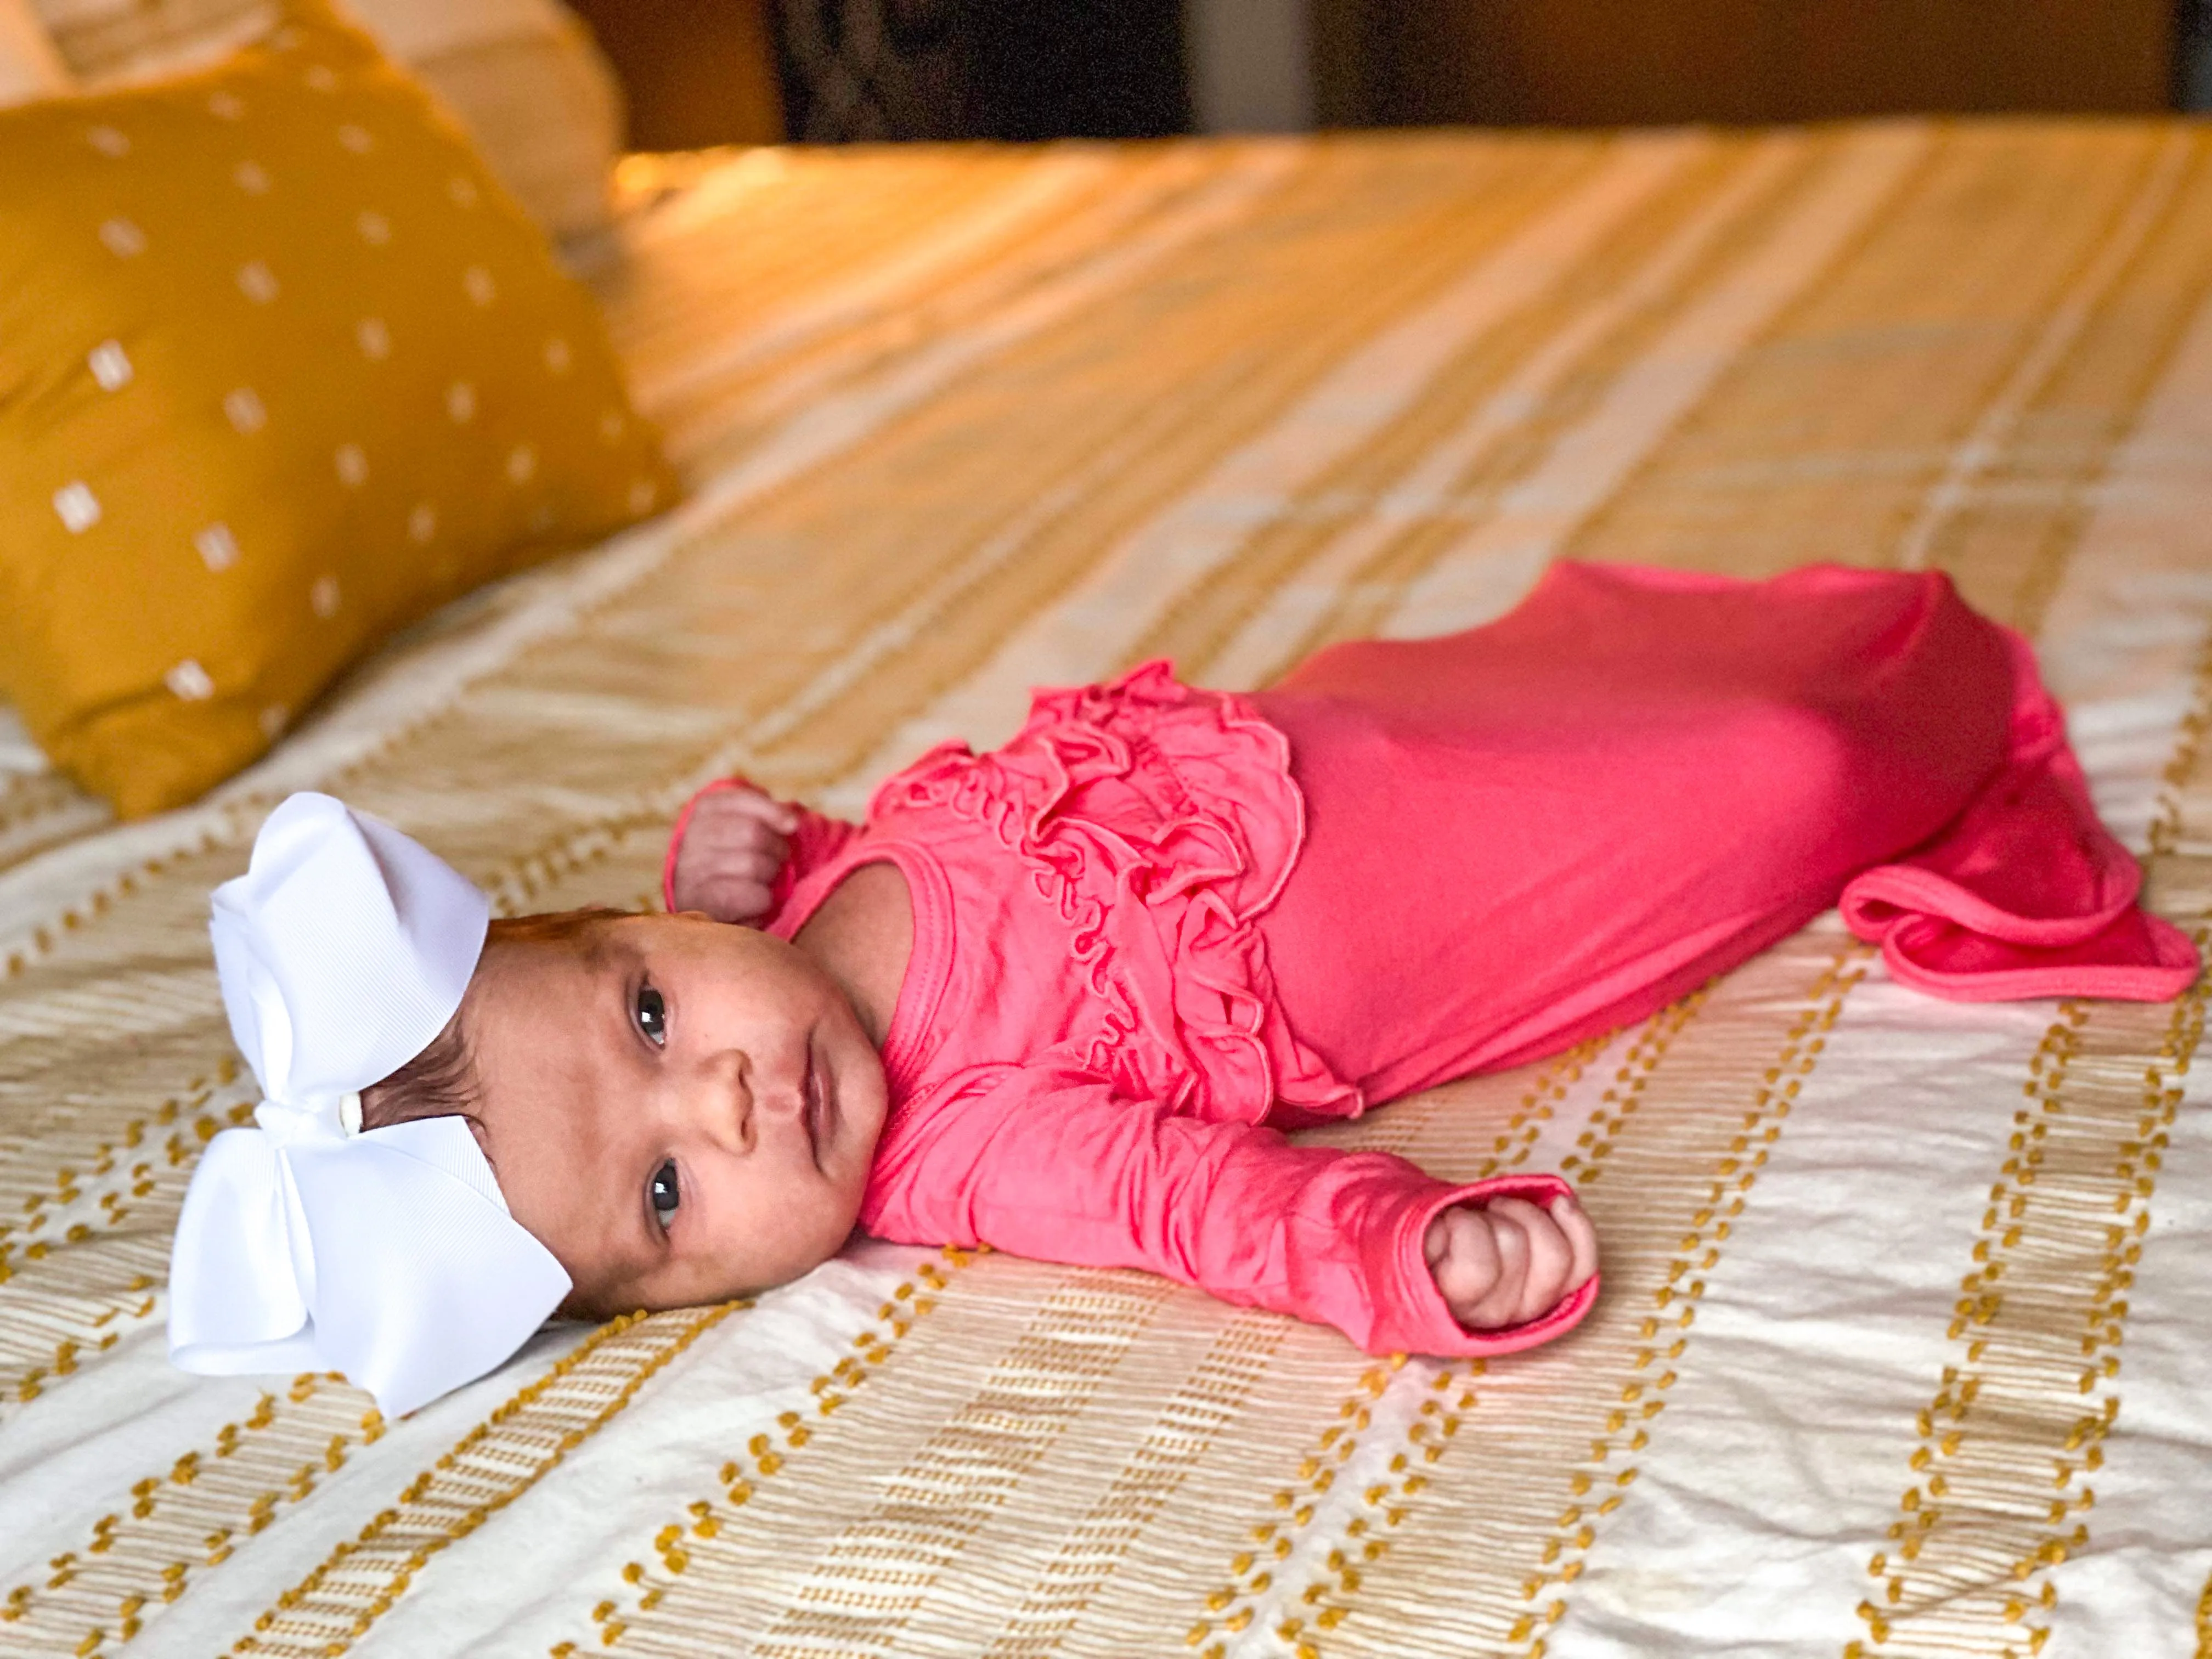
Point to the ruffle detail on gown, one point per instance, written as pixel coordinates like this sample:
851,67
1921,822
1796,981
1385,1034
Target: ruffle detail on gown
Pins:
1160,821
2025,894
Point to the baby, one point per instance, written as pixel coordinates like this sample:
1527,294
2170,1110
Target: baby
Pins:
681,1110
1064,997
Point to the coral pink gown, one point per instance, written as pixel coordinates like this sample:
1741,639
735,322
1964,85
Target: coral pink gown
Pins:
1163,924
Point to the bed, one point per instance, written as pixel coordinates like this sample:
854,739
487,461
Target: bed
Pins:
1907,1303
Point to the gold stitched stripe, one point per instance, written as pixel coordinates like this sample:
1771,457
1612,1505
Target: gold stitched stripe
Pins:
487,1468
39,810
1895,397
2011,536
1480,447
1416,1402
1641,1392
766,1456
1266,1548
1670,368
1090,1550
709,307
1242,364
716,419
876,1571
2022,1410
189,1518
87,1256
1212,1396
1484,426
1327,1590
1665,1164
2044,351
1262,1546
2016,1423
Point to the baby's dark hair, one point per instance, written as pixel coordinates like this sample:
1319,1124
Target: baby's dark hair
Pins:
441,1081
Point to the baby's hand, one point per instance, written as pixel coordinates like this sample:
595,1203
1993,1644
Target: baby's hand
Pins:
732,850
1509,1262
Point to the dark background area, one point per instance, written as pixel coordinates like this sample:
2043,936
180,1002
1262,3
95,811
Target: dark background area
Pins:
711,71
701,72
982,68
1520,61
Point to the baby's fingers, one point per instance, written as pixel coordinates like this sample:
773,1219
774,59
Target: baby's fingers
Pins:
1581,1241
757,856
717,834
1500,1304
727,898
1549,1258
743,801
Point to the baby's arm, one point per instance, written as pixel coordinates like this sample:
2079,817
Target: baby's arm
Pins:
737,852
1047,1162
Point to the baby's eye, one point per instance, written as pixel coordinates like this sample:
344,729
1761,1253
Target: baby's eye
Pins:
662,1191
652,1014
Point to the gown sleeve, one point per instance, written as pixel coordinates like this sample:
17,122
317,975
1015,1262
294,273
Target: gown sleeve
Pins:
2024,893
1048,1162
814,840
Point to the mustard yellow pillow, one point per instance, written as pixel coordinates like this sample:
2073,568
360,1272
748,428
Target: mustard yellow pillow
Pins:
281,368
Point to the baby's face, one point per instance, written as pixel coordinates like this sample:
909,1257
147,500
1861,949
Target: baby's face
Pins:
680,1110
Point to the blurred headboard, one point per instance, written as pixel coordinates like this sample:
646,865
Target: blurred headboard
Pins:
696,72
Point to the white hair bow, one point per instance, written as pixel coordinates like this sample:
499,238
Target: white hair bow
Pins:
304,1244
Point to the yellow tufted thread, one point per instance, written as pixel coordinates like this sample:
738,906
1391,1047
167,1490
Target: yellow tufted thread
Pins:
1664,1331
2006,1446
1519,1137
1598,1487
114,1181
1252,1566
740,1473
324,1615
2020,1243
1619,1103
214,1495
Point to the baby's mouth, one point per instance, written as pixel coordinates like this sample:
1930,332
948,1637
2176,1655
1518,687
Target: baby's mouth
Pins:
819,1113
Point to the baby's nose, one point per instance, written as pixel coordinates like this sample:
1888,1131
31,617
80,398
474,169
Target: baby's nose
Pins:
729,1107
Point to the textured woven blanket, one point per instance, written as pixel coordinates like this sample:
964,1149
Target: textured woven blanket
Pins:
1907,1303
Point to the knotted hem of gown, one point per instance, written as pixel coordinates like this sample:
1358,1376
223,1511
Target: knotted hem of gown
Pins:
2136,957
2026,893
1942,938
